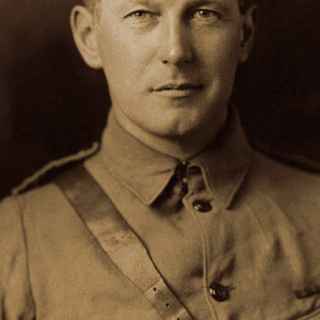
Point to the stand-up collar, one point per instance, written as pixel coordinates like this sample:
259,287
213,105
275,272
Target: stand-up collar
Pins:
146,172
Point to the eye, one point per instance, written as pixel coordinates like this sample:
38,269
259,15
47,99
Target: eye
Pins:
206,14
140,14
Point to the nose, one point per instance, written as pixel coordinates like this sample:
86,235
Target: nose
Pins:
176,44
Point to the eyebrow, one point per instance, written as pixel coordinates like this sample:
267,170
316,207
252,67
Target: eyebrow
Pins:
142,2
122,5
219,3
206,2
192,2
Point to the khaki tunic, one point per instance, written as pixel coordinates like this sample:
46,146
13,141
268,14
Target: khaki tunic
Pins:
255,232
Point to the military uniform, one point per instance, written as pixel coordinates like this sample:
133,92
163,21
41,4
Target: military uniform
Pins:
230,234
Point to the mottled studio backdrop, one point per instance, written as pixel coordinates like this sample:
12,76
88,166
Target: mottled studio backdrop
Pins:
51,104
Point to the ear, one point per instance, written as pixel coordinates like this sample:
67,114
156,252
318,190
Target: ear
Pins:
84,29
247,33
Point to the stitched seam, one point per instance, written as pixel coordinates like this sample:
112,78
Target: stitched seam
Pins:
261,225
54,164
19,206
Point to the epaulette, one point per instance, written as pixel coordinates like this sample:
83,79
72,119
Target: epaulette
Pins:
53,165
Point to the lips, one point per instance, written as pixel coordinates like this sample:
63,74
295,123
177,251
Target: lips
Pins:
175,90
187,86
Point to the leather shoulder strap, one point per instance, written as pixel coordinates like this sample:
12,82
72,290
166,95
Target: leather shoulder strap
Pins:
119,241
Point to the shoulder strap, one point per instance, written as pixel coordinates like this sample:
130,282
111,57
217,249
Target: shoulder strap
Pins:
119,241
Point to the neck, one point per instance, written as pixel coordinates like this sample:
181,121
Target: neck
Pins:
181,147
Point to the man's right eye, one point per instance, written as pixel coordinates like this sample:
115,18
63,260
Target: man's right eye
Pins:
140,14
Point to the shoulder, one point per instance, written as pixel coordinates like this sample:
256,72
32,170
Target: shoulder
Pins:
10,219
15,289
26,219
37,197
51,169
16,213
291,188
285,176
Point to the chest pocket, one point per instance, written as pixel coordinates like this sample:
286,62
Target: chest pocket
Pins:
308,291
309,294
271,265
289,261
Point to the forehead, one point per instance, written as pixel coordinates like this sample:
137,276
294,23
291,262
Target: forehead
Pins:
120,3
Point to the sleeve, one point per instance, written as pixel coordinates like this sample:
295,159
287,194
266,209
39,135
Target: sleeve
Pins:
16,300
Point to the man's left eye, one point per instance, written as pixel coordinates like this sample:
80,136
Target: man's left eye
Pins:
206,14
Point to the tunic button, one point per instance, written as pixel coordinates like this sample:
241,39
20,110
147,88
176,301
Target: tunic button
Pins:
219,292
202,206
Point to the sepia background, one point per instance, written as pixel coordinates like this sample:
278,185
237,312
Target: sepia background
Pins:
51,104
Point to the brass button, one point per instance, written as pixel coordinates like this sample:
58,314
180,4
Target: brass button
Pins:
185,180
202,206
219,292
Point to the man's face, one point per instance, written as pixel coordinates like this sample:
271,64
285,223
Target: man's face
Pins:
170,64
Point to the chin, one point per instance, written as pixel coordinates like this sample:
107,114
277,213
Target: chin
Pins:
177,131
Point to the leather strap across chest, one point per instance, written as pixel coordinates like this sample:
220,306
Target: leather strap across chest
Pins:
119,241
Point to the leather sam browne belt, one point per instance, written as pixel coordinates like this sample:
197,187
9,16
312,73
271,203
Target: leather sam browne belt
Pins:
120,242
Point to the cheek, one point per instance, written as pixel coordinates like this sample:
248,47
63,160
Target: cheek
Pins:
124,64
220,52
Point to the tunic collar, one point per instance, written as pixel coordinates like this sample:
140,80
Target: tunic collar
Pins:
146,172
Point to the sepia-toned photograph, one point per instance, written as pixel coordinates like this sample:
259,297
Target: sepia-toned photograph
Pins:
160,160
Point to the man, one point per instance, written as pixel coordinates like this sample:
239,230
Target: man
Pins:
176,217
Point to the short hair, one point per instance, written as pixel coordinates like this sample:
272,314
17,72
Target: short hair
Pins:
93,6
90,3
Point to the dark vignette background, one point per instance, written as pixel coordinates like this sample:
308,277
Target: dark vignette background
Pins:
51,104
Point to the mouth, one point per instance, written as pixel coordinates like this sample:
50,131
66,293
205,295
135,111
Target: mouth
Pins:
178,90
